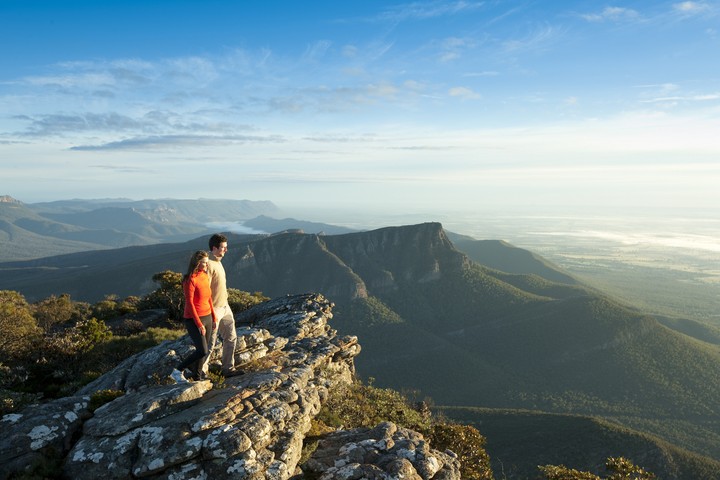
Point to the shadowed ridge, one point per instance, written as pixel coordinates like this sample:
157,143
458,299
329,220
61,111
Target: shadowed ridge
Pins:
291,263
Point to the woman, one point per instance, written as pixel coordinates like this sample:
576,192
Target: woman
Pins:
199,316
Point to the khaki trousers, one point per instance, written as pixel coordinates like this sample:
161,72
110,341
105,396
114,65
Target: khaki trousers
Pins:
227,333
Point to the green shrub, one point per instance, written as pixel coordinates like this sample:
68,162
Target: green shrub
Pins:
619,468
12,401
624,469
19,328
358,405
468,444
169,295
92,332
55,310
101,397
240,300
561,472
128,305
108,354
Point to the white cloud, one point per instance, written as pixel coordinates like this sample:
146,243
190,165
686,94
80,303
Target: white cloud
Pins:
464,93
613,14
691,8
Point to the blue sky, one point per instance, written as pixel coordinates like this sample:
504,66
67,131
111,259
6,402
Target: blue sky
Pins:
405,107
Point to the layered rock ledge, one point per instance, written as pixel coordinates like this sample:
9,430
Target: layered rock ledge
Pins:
252,426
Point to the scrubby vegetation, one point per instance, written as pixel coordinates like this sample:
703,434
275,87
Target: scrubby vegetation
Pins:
618,468
52,347
359,405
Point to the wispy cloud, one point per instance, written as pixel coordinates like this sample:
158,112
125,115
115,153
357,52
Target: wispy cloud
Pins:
464,93
427,10
536,40
49,125
125,74
124,169
177,141
490,73
316,50
612,14
195,69
72,80
452,48
688,98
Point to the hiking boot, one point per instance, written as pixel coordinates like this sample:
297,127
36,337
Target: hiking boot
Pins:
231,372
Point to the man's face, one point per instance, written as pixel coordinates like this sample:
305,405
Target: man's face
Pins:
219,251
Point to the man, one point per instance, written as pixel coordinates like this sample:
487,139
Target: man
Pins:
226,320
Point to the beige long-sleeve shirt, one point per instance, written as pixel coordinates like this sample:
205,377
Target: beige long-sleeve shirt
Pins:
218,283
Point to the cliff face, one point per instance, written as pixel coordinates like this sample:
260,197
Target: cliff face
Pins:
251,427
387,257
344,267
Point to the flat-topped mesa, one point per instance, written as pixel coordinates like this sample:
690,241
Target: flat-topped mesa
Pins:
251,426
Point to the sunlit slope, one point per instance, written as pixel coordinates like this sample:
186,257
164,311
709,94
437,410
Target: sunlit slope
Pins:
24,234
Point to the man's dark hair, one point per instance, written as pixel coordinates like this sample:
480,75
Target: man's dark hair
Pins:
216,240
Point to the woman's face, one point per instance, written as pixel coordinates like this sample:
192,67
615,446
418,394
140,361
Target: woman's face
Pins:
202,265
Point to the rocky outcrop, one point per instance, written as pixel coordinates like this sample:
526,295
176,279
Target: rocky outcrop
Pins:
383,452
251,426
9,199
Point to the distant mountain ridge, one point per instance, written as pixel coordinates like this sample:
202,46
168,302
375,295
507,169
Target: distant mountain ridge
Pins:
272,225
432,319
52,228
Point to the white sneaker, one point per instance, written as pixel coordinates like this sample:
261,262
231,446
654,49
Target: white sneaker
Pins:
178,376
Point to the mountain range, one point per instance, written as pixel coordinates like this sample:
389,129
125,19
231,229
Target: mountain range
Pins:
468,323
52,228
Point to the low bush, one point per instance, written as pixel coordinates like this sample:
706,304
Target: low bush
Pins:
358,405
101,397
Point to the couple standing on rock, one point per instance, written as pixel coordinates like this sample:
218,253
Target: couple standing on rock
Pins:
206,305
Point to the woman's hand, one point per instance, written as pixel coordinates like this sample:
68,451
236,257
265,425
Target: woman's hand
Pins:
202,330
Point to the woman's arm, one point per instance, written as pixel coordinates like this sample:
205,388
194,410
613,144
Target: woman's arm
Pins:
189,289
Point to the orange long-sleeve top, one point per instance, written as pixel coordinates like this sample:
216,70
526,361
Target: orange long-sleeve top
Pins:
198,297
